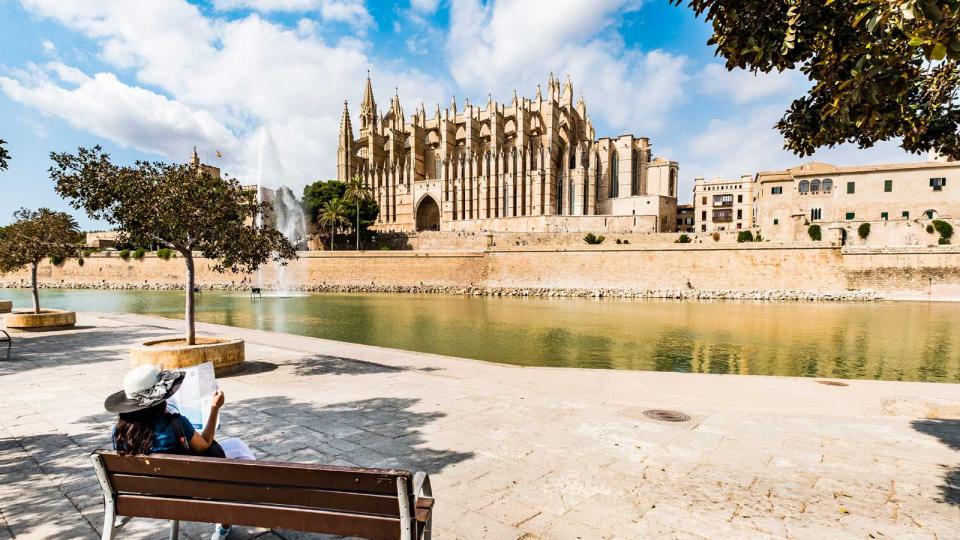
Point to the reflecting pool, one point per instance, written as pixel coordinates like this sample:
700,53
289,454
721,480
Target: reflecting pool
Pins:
879,340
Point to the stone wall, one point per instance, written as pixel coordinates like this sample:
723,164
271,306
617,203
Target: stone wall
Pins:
715,270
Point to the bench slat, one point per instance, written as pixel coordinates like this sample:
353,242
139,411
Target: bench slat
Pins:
266,493
252,515
357,480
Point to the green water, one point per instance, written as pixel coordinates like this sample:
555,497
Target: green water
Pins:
881,340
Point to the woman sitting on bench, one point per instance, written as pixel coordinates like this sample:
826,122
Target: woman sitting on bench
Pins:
145,426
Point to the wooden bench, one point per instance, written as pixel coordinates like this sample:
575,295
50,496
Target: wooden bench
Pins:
345,501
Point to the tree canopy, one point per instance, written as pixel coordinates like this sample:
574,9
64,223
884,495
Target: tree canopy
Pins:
178,206
880,69
34,236
317,194
4,155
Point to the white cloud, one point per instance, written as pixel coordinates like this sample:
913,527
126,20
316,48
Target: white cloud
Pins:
213,82
104,106
425,6
49,47
746,142
514,43
743,86
352,12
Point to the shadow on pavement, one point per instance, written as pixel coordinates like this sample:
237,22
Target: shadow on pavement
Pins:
948,432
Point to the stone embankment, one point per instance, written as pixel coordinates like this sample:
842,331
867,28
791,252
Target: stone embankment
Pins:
539,292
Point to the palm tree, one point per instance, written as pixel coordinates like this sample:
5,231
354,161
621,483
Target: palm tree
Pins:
357,192
333,214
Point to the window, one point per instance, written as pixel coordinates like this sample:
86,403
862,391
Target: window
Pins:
826,185
816,214
533,160
938,183
884,215
723,200
851,187
776,221
614,177
573,158
739,214
739,198
815,186
887,186
704,200
775,190
739,225
596,179
703,227
723,216
438,169
905,214
703,215
850,215
634,176
929,214
804,186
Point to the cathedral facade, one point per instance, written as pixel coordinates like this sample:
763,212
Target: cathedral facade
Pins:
534,165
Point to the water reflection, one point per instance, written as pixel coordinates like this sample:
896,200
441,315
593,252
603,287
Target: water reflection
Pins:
893,341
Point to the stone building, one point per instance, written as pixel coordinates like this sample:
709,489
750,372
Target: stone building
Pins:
533,165
898,200
724,205
686,220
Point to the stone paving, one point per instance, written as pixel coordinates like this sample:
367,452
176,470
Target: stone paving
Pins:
513,452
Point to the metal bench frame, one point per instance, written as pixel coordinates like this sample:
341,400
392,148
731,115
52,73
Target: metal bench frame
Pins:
410,529
6,338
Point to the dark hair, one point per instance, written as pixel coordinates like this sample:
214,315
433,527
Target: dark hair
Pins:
134,433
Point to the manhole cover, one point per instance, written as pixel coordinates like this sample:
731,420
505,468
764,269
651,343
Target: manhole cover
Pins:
666,416
832,383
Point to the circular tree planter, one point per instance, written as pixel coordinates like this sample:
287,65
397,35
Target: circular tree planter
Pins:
47,319
227,355
6,306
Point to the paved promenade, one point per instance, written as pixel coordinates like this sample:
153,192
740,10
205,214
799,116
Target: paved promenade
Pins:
513,452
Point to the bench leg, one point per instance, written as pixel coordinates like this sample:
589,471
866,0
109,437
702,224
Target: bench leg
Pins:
406,528
174,529
109,506
109,522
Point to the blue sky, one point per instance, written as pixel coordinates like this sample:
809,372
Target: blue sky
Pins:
264,81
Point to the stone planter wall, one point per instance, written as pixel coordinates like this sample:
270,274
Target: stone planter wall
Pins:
47,319
227,355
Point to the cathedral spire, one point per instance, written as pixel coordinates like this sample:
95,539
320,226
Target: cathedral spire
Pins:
346,129
567,97
195,159
539,94
368,107
453,105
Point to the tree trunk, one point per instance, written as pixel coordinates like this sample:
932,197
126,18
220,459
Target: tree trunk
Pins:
333,236
190,311
358,224
36,292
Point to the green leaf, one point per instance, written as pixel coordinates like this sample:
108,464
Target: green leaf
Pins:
939,52
916,41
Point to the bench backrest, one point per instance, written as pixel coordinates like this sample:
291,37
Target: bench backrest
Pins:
345,501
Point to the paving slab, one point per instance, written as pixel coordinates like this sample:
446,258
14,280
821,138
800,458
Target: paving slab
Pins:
513,452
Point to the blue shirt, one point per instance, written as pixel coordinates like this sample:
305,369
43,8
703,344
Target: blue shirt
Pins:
164,436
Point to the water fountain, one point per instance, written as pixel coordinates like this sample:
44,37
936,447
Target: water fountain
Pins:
287,215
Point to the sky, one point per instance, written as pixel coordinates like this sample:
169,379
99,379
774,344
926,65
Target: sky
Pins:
264,81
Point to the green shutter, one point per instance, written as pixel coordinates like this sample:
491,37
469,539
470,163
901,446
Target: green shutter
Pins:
884,215
850,215
851,187
887,186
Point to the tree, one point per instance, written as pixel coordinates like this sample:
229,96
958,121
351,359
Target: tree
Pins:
317,194
815,233
181,207
333,214
4,156
863,231
35,236
881,69
357,192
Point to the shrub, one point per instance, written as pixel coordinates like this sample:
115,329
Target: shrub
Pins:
715,236
80,261
945,230
385,247
89,251
625,241
745,236
57,260
618,241
124,254
594,239
863,231
139,253
930,229
815,234
684,239
165,253
758,238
